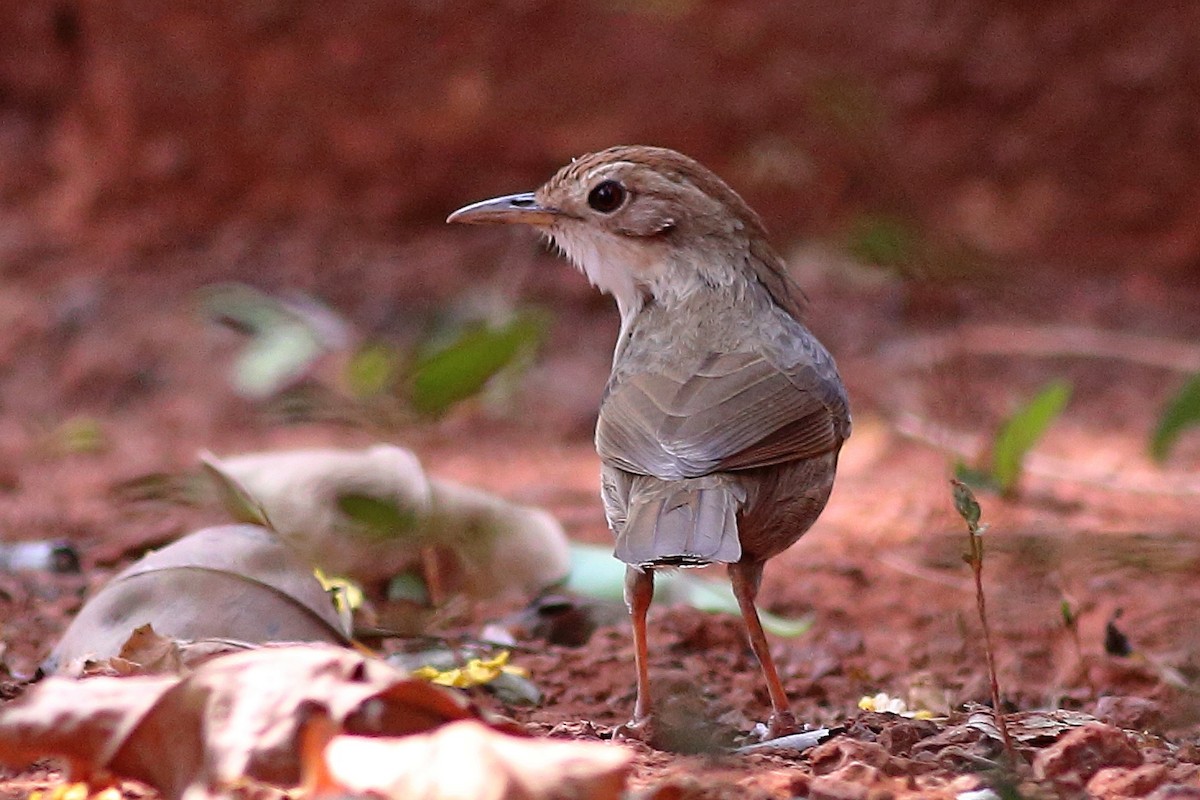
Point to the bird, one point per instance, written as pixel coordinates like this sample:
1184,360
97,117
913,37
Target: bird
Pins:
721,422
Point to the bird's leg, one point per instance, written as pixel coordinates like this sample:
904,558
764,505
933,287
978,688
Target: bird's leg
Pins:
639,591
746,579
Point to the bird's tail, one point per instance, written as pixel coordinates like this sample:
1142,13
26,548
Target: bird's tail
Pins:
681,523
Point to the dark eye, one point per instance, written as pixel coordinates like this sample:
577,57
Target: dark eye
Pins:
606,197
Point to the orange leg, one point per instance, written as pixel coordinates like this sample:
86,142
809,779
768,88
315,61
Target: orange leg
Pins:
639,591
746,579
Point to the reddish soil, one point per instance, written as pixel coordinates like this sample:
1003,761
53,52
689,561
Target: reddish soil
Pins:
1095,523
1027,167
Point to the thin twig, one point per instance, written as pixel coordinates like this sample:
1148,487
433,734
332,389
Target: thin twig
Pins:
968,508
993,679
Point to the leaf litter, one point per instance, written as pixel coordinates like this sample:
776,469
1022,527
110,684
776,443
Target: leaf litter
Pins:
374,513
872,630
233,582
242,717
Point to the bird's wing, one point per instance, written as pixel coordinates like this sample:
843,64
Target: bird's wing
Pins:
737,411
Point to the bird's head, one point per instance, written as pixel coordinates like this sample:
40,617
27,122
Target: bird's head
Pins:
645,222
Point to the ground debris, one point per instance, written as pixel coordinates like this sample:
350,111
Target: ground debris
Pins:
1076,757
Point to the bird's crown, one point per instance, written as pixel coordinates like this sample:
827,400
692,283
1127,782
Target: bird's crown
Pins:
649,191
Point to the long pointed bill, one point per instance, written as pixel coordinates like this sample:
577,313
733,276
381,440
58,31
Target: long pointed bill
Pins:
514,208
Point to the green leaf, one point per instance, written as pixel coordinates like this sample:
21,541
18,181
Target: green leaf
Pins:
883,240
514,690
371,371
972,476
408,587
462,368
379,517
786,627
717,598
1183,411
1023,430
595,573
275,358
286,338
80,435
166,487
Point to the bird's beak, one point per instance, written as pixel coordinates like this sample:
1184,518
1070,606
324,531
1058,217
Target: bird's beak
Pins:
513,208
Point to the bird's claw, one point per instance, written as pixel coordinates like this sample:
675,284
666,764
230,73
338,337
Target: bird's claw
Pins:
637,729
782,723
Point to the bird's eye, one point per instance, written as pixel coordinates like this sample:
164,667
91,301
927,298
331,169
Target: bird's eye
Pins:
606,197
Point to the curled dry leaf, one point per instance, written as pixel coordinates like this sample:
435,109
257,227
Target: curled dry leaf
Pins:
237,716
497,545
80,722
229,582
153,653
148,653
468,759
372,514
349,512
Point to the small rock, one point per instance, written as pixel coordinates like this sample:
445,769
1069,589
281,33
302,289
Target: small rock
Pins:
1175,791
899,738
829,788
1079,755
1133,713
838,753
1125,782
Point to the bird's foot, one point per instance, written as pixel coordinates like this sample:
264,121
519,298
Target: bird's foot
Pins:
640,729
781,723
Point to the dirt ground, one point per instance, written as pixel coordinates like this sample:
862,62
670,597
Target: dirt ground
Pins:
1095,524
1029,169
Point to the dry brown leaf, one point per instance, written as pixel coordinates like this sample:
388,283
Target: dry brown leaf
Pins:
236,716
299,491
81,722
498,545
372,514
153,653
468,759
147,653
1036,728
235,582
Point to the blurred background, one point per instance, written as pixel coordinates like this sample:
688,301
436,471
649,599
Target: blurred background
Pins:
1062,135
286,167
994,207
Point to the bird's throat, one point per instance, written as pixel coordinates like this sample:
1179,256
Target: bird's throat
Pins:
638,271
612,266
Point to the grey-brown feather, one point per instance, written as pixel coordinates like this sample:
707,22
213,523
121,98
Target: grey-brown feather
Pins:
738,411
679,523
723,416
689,433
